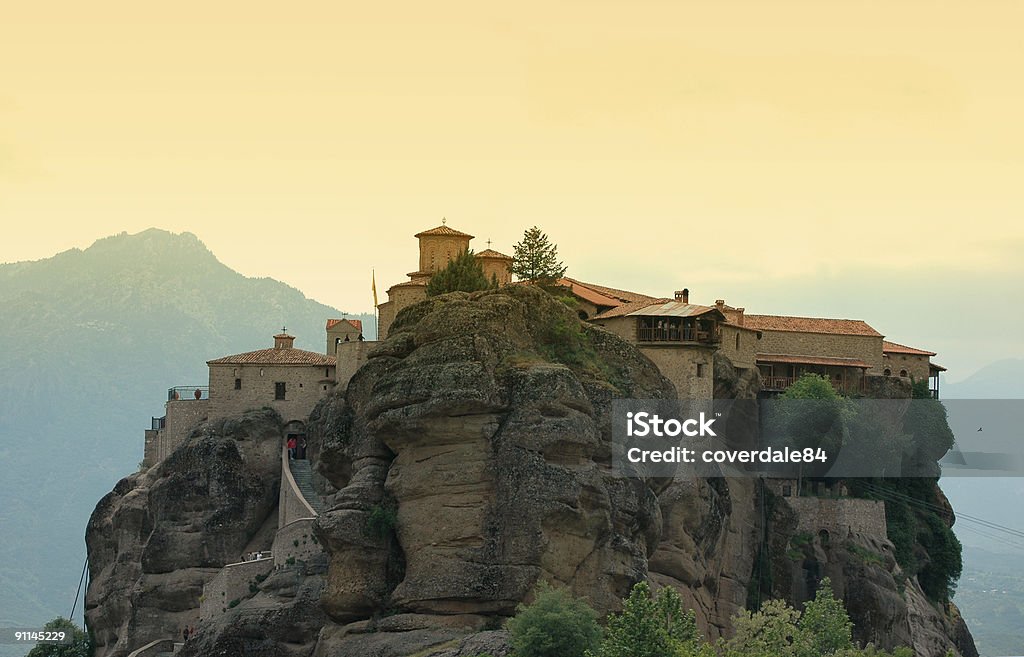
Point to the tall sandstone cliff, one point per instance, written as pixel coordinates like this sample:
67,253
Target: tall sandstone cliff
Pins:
466,462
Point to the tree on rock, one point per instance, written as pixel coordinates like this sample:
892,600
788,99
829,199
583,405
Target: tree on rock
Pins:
536,258
76,642
555,625
464,273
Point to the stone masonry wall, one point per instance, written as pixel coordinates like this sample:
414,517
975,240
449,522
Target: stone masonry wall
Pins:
864,347
231,584
437,250
305,386
839,517
739,345
351,356
690,369
296,542
183,416
915,365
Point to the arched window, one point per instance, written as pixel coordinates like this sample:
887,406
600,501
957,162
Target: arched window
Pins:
887,372
903,373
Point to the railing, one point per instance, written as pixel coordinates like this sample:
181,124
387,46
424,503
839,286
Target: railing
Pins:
183,393
779,383
159,423
675,334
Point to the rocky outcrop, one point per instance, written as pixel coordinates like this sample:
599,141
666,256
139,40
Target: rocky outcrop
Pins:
467,461
163,533
469,458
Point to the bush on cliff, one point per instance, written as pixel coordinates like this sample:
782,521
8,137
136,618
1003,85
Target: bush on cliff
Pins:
555,625
464,273
650,626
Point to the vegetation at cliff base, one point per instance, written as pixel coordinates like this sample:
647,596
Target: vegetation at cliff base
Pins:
463,273
554,625
656,625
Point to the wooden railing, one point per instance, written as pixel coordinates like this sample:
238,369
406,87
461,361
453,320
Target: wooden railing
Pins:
675,334
776,383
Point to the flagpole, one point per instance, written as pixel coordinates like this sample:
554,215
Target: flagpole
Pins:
373,287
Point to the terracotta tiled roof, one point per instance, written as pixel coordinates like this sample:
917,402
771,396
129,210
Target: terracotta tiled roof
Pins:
811,360
408,284
357,323
809,325
275,357
491,253
936,367
622,296
444,230
896,348
627,308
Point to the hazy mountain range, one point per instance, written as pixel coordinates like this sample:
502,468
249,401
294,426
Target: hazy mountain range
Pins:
91,341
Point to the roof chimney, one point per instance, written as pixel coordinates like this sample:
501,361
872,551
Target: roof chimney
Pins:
683,295
720,303
283,341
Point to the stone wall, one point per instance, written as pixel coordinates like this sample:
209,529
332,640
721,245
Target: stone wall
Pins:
498,268
295,542
739,345
690,368
916,366
336,335
182,416
839,517
305,385
437,250
399,297
865,347
351,356
230,584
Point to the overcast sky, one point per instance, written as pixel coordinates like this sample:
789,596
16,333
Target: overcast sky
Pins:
859,159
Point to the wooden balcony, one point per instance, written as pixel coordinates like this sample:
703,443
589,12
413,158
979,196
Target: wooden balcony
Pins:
676,334
781,383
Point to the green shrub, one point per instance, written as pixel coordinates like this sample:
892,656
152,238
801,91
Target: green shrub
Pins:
381,521
650,626
554,625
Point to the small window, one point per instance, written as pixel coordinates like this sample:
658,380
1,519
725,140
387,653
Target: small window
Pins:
700,370
903,373
887,372
787,490
279,390
327,373
737,342
238,384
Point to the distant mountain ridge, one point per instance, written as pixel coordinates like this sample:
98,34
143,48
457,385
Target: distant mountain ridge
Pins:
92,340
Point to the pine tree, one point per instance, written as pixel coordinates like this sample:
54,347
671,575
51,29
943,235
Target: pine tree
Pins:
464,273
536,258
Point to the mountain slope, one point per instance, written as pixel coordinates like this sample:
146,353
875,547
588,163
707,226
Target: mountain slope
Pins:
91,341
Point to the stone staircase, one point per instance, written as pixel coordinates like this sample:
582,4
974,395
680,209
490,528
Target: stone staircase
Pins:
303,475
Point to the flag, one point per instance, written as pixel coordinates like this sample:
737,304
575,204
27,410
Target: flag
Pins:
373,286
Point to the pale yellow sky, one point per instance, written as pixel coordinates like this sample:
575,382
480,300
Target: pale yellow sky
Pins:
661,144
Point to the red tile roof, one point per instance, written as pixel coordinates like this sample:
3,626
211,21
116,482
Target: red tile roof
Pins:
491,253
809,325
610,293
811,360
357,323
444,230
275,357
896,348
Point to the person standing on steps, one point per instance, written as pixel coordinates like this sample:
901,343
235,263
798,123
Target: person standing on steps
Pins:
302,447
291,448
